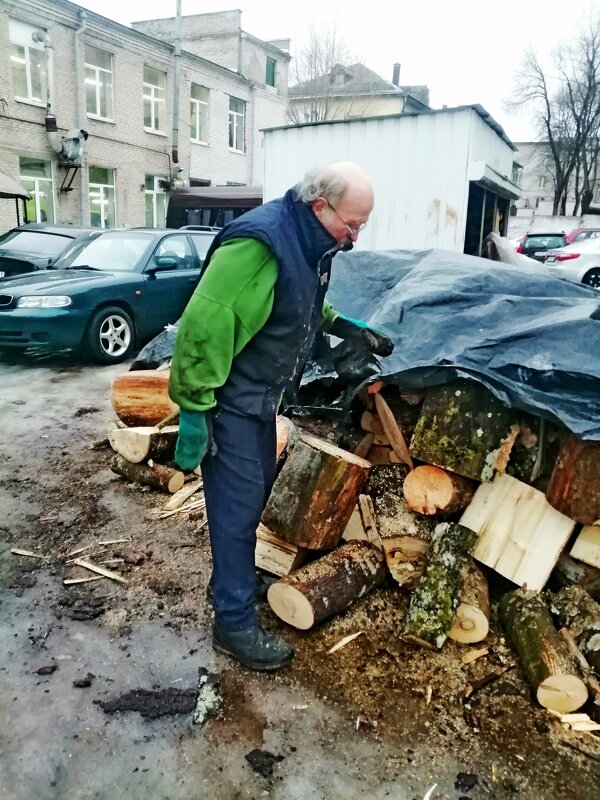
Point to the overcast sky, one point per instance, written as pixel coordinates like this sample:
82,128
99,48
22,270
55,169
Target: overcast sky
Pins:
465,51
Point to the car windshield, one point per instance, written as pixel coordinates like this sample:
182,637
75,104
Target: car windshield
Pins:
43,244
544,241
118,251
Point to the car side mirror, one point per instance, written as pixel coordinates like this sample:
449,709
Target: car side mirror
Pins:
163,263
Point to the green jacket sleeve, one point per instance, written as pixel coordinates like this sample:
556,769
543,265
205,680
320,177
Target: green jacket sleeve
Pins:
230,305
328,316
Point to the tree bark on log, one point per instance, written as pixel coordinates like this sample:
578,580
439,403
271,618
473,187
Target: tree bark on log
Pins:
550,668
575,610
141,443
142,397
433,491
314,494
328,585
434,602
570,572
574,488
404,536
472,621
465,429
150,474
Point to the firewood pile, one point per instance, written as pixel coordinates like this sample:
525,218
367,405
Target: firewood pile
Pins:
434,492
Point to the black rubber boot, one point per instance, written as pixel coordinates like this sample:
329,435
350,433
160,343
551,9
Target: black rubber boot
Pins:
261,586
254,647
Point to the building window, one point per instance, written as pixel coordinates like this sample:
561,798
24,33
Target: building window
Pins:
155,201
102,197
542,182
199,113
28,62
270,74
237,114
36,176
98,83
154,100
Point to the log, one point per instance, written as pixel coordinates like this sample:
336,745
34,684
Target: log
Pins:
150,474
472,621
370,423
570,572
404,536
575,610
520,535
464,429
142,397
392,430
143,442
434,602
433,491
550,668
574,487
328,585
362,448
314,494
378,454
276,556
587,546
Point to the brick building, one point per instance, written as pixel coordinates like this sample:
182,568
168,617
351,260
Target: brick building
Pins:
117,84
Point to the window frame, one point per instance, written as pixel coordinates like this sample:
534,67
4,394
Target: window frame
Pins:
234,119
197,109
38,189
157,103
103,197
272,63
20,36
90,66
154,193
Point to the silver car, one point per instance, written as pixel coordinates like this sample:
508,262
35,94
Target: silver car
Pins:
579,262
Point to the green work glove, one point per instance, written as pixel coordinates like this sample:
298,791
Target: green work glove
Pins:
192,442
354,330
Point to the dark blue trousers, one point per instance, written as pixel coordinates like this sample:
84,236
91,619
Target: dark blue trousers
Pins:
238,475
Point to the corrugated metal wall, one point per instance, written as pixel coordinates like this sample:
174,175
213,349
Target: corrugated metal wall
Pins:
418,165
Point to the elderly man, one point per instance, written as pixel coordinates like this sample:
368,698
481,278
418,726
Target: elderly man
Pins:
244,337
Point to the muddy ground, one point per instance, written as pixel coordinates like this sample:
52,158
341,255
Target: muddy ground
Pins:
376,719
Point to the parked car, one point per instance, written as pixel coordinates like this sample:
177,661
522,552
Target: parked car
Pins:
581,234
535,245
578,262
35,246
112,291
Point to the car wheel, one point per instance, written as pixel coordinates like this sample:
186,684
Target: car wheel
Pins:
110,336
592,278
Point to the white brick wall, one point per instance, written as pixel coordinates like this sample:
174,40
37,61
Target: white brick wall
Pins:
122,144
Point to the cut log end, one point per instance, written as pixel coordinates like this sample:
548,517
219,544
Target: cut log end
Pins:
470,625
563,693
430,490
291,606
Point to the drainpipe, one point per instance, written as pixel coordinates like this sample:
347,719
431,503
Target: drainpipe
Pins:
50,118
176,79
79,111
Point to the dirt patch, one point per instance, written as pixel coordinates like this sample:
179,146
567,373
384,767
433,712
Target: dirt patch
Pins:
239,719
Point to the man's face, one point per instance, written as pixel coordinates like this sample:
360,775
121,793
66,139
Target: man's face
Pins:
345,220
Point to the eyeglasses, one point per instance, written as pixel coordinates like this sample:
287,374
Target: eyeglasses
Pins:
353,231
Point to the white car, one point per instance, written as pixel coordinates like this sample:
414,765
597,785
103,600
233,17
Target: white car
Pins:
579,262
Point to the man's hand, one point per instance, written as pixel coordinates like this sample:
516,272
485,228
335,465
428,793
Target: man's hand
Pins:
354,330
192,442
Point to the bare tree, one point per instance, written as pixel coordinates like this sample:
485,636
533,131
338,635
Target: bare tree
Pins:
323,55
564,102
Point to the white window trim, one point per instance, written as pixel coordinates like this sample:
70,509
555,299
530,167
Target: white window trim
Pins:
102,187
30,100
154,192
236,114
155,103
199,103
97,85
37,191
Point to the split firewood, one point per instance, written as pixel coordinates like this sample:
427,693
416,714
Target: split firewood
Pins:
403,535
392,430
367,513
528,454
472,621
433,491
371,423
587,546
570,572
150,474
434,602
184,494
80,562
328,585
142,397
275,555
575,610
362,448
520,535
381,440
141,443
287,436
551,669
379,454
465,429
314,494
574,488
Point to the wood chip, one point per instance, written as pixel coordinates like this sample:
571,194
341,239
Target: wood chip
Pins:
428,694
71,581
27,553
100,570
473,655
114,541
300,708
79,550
179,498
343,642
